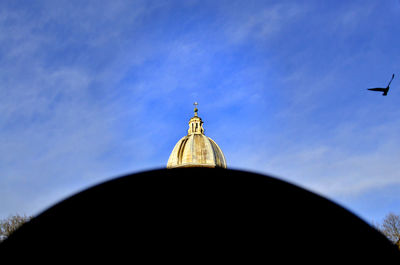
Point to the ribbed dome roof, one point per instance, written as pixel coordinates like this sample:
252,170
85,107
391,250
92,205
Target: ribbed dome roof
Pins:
196,149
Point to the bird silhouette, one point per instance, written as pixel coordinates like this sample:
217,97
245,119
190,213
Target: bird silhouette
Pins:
381,89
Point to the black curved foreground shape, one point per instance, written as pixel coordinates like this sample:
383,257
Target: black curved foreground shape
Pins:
197,214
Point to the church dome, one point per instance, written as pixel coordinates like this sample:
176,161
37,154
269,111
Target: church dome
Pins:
195,149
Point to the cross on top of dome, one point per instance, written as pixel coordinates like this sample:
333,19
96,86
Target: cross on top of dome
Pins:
195,108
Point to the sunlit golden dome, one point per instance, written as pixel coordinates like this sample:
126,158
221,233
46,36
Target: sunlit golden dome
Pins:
195,149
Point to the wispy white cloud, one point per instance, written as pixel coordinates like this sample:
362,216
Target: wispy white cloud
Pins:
343,165
57,121
244,22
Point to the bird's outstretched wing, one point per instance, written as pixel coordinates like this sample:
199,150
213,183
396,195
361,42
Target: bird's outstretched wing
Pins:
378,89
391,80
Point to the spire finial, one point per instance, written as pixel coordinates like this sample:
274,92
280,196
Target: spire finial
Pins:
195,108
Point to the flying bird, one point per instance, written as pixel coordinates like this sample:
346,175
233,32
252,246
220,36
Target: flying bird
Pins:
381,89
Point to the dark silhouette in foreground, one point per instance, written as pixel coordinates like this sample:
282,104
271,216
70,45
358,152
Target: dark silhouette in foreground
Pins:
197,215
384,90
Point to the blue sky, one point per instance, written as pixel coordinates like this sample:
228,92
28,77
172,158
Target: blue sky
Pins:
92,90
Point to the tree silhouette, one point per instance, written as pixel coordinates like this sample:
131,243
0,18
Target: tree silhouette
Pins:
391,228
10,224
